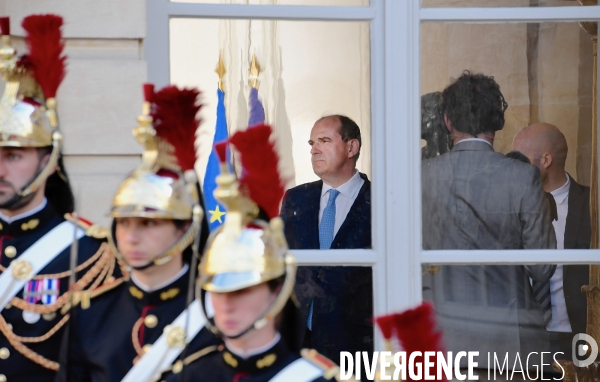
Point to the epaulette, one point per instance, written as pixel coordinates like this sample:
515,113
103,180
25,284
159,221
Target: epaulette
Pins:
106,287
330,369
91,229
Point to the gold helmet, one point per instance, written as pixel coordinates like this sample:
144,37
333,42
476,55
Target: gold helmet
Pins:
164,186
28,106
246,250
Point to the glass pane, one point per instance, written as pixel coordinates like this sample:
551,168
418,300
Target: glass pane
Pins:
539,103
308,70
502,311
500,3
342,308
345,3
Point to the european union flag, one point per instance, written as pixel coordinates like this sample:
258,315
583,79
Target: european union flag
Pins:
215,210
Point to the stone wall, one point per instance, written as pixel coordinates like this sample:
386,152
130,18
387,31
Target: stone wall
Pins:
101,96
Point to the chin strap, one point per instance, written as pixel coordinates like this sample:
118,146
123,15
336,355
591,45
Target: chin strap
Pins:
271,313
166,256
47,170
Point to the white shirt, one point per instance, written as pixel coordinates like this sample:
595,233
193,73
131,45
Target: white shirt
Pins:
344,201
560,318
474,139
147,289
10,219
250,352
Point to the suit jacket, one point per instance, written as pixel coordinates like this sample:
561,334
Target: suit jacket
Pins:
578,233
342,296
475,198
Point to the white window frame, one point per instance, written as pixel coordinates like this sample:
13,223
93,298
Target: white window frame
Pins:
397,253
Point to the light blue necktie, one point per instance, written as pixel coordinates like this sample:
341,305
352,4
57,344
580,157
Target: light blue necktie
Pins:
325,236
328,221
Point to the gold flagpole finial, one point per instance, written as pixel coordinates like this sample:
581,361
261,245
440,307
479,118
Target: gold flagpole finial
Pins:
220,70
254,72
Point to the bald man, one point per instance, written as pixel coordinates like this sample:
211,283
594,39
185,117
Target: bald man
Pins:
546,148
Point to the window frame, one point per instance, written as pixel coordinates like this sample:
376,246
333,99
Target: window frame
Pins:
397,255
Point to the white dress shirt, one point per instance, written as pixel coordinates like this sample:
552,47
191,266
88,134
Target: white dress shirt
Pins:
474,139
560,318
149,289
10,219
344,201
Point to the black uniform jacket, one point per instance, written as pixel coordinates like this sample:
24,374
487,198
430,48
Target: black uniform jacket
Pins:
224,366
16,238
103,339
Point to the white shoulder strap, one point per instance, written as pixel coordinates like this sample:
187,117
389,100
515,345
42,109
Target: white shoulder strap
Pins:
35,258
298,371
161,355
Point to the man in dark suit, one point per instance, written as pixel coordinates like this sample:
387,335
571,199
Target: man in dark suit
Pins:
475,198
546,148
333,213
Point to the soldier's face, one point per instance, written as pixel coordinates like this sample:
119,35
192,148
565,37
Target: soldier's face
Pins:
236,311
18,167
329,153
141,240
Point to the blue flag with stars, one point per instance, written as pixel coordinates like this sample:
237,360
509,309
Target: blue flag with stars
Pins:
215,210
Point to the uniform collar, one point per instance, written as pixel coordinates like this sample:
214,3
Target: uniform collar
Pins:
175,288
28,222
259,362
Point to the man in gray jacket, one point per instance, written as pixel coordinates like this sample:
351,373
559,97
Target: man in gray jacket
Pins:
475,198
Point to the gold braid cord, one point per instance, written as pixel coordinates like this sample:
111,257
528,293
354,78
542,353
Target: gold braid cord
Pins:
101,275
136,339
192,358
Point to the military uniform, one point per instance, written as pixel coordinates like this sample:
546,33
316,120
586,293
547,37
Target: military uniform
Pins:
36,311
119,327
223,365
129,333
36,245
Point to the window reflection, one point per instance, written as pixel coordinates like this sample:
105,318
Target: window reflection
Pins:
337,304
489,308
507,158
307,70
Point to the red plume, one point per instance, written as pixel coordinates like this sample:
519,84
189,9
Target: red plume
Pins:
5,26
148,92
260,175
175,121
45,44
221,149
386,324
416,330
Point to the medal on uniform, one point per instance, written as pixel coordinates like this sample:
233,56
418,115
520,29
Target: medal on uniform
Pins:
31,317
50,291
32,291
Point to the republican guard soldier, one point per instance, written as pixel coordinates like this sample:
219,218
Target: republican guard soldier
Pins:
35,195
136,329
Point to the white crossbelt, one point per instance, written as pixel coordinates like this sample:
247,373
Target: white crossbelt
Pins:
35,258
161,355
298,371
